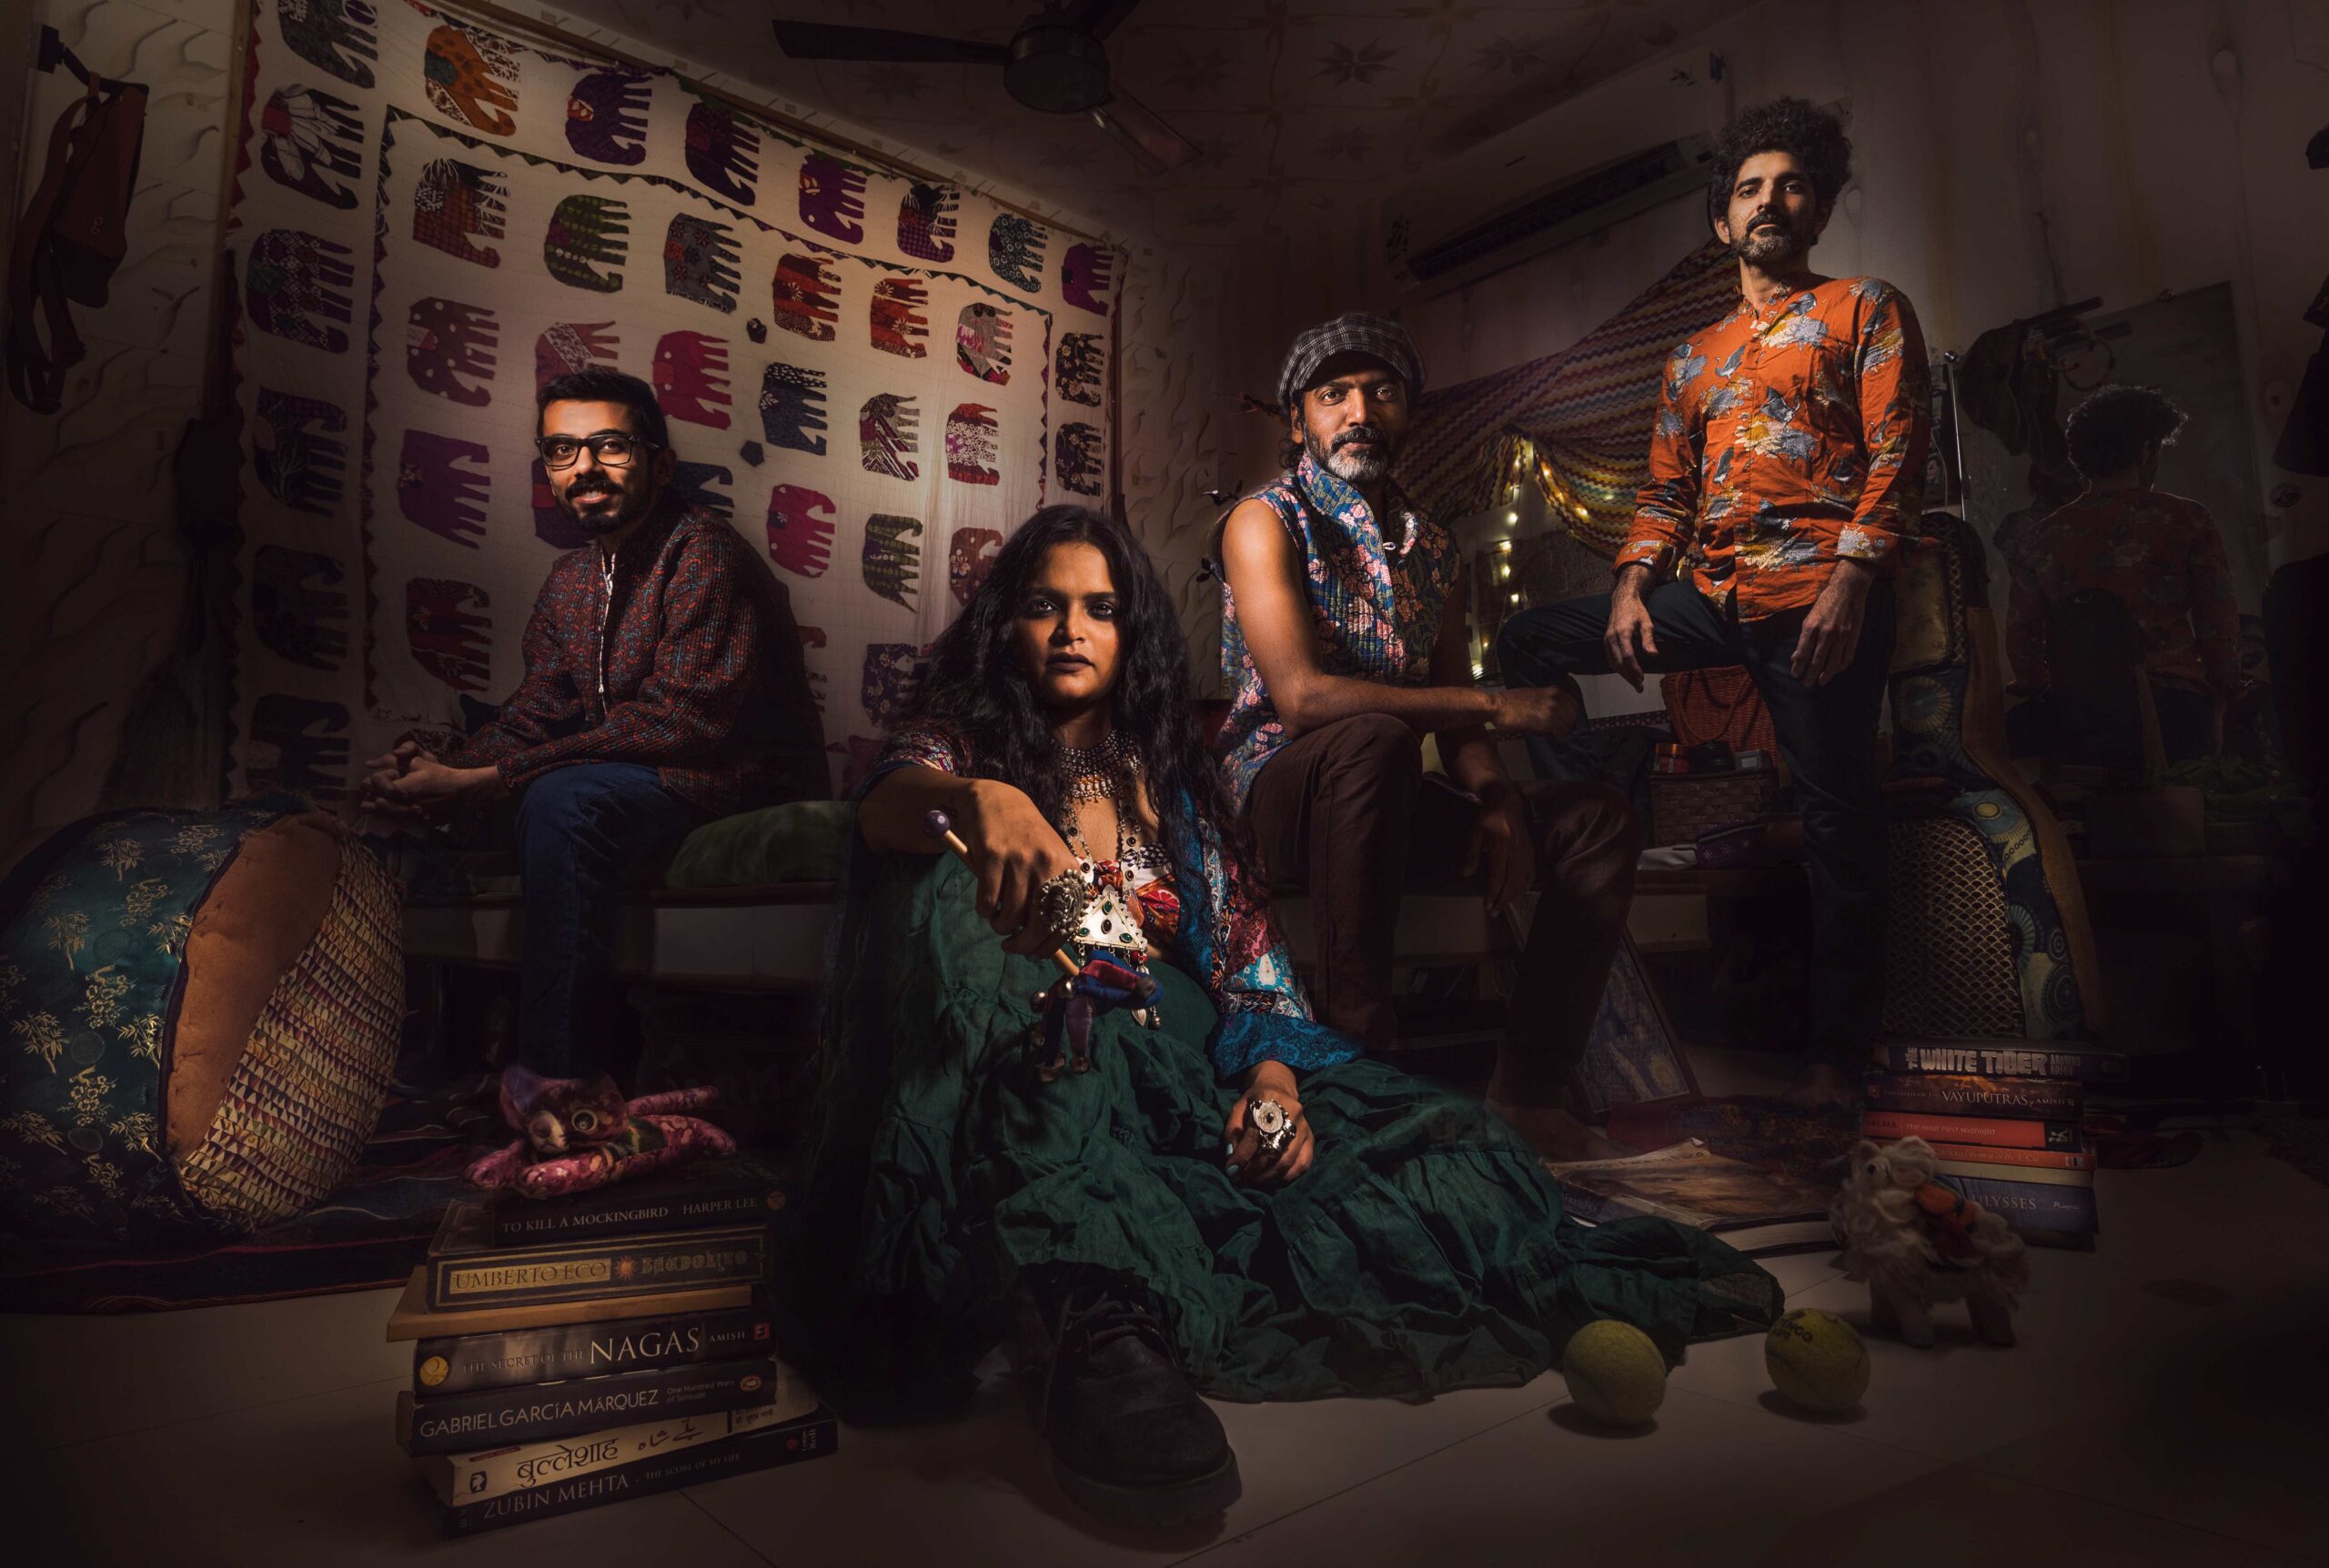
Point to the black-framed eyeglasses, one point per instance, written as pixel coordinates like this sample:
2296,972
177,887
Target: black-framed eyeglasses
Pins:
611,449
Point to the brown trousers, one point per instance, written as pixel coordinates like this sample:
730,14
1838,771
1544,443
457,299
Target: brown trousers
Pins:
1345,813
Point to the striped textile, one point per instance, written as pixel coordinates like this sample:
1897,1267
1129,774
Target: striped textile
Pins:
1580,418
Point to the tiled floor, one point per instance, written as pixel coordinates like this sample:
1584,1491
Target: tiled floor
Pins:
2169,1405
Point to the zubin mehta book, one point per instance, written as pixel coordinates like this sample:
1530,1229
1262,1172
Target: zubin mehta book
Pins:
466,1271
812,1436
463,1421
457,1363
512,1467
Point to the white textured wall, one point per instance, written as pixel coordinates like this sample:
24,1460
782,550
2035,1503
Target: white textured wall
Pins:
1195,341
91,574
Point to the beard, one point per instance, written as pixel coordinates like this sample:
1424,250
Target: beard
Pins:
1353,468
1767,247
629,508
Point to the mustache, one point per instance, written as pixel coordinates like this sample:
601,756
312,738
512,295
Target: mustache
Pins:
1357,433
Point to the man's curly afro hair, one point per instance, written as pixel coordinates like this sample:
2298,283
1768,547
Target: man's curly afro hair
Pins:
2108,432
1793,126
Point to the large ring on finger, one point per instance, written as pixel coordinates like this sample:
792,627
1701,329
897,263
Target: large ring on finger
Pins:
1059,904
1272,1122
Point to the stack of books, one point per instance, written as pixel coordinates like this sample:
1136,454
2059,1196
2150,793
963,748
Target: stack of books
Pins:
577,1351
2008,1121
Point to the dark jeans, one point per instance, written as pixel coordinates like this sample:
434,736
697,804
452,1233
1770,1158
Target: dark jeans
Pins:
1345,812
581,832
1827,736
2038,727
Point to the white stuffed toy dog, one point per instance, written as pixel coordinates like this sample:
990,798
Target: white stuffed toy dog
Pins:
1914,1241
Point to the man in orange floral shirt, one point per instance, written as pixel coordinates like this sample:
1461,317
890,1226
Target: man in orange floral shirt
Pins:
1785,468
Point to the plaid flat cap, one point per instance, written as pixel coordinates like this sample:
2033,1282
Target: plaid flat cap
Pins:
1359,332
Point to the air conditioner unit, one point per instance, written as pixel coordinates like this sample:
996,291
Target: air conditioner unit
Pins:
1614,150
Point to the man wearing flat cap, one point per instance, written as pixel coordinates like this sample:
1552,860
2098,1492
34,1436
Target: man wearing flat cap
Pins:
1344,643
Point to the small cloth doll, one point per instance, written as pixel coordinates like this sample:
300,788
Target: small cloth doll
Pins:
1072,1007
1914,1240
577,1133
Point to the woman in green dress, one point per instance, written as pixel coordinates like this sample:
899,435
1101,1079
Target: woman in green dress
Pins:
1232,1198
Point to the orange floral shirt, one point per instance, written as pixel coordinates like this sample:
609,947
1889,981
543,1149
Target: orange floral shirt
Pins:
2160,553
1787,439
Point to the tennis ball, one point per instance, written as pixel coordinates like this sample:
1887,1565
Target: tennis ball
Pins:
1615,1374
1816,1361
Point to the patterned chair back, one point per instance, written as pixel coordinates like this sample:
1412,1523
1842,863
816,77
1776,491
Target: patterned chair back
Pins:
1987,935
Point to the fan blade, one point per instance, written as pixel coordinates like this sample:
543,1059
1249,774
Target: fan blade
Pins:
1156,146
816,41
1098,17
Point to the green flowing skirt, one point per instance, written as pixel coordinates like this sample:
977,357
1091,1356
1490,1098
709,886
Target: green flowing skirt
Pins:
1425,1250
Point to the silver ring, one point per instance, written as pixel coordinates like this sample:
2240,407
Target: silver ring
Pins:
1272,1122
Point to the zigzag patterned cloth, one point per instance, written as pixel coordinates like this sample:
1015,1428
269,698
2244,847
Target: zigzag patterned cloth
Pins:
1583,412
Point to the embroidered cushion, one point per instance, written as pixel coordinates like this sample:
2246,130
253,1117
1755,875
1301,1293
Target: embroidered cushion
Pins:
806,841
198,1019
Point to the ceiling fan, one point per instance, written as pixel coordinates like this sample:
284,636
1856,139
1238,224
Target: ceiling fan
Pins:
1055,64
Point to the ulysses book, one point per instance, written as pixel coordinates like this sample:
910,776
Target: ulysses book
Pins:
465,1270
458,1364
2033,1206
461,1423
812,1437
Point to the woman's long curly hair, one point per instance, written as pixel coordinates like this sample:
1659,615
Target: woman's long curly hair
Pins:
977,690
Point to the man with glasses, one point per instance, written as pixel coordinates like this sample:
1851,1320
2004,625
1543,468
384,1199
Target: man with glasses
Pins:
1344,643
663,687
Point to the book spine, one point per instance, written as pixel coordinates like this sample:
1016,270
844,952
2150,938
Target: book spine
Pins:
473,1477
2034,1206
460,1363
1962,1094
1988,1060
587,1270
810,1439
1989,1154
525,1223
1989,1171
1992,1131
462,1422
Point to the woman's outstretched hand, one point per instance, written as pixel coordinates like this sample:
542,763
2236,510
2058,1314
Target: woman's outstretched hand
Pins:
1014,850
1249,1163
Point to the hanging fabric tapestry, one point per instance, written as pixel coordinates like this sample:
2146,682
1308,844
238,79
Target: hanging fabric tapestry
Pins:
432,219
1577,422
